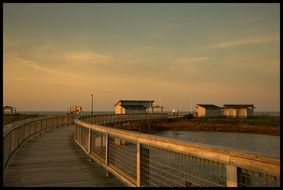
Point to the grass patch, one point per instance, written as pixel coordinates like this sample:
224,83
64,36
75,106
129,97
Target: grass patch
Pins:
259,124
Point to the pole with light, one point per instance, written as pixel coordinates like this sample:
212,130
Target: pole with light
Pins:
91,104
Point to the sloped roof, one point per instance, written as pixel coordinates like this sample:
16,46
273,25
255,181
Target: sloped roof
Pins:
209,106
4,107
238,106
134,101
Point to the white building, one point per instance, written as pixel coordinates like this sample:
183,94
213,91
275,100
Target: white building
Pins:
132,106
238,110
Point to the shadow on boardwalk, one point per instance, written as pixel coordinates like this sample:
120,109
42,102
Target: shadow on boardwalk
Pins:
53,159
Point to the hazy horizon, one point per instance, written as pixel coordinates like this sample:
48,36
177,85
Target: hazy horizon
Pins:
183,54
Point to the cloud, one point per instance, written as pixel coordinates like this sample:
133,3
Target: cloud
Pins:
186,60
241,42
86,57
36,66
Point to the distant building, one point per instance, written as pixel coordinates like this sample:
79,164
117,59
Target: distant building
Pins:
238,110
208,110
158,107
132,106
11,109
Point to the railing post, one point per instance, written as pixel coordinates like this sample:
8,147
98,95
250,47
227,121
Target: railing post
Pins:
232,176
89,140
65,121
138,164
76,132
107,153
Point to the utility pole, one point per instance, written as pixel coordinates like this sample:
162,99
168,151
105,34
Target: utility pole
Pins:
191,105
91,104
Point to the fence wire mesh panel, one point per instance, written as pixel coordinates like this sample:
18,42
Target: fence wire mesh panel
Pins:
27,130
84,137
98,145
15,137
79,133
158,166
164,168
7,148
122,157
249,178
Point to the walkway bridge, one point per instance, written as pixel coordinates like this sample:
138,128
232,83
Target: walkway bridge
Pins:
54,151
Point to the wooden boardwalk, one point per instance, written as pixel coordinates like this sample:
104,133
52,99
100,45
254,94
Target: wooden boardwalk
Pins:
55,160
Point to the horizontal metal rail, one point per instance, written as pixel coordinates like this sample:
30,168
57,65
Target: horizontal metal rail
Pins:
15,135
146,160
115,118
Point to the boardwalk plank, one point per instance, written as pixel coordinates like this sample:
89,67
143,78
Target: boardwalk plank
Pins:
54,160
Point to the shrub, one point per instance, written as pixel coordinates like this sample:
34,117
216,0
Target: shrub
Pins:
189,116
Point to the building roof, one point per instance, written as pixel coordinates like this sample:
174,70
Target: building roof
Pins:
8,107
238,106
209,106
134,101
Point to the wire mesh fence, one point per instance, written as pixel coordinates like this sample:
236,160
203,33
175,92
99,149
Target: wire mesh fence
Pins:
149,163
249,178
122,157
84,137
14,136
160,167
98,145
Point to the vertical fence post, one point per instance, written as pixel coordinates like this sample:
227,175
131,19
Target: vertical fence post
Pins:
89,140
232,176
138,164
65,120
76,133
107,153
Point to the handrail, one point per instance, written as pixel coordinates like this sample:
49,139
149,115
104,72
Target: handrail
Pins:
235,161
16,134
113,118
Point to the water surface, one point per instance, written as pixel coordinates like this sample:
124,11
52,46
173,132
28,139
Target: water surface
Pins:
266,145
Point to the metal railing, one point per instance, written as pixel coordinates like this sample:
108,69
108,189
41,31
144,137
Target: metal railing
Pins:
16,135
116,118
142,160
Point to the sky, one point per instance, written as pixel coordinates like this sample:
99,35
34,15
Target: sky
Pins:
180,55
